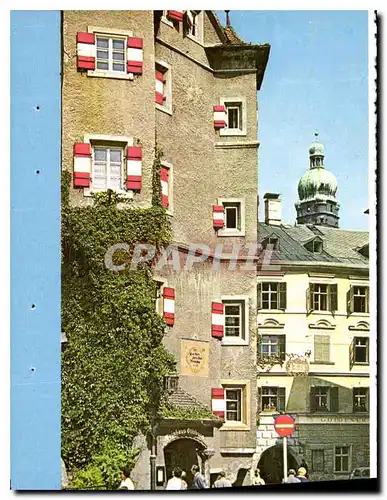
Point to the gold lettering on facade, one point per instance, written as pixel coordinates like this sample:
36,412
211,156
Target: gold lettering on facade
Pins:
194,358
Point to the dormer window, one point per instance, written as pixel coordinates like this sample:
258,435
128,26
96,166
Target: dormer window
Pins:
364,250
271,243
315,245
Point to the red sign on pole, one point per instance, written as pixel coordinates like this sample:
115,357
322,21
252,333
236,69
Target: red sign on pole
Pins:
284,425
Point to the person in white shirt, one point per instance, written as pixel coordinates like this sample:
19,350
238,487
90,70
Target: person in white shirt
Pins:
257,480
176,483
126,483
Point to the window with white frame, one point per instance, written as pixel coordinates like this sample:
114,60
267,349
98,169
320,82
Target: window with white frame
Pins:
324,399
234,312
360,399
111,53
232,212
342,458
237,404
358,300
271,295
107,168
234,217
234,404
193,21
321,297
361,349
271,398
273,345
236,116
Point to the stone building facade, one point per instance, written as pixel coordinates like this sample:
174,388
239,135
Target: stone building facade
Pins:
178,80
313,314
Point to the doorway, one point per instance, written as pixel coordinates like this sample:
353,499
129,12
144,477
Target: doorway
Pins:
271,464
182,453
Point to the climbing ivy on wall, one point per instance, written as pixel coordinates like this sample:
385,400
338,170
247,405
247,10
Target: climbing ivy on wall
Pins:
113,363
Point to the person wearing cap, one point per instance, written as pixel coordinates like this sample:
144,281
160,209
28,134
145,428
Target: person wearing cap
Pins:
301,475
222,481
292,477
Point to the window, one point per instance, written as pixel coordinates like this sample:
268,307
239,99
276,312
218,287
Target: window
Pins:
342,456
234,405
234,312
359,351
163,87
315,246
232,212
108,172
234,217
360,399
271,243
321,297
272,345
171,383
271,398
318,460
358,299
192,23
322,348
111,53
324,399
236,116
271,295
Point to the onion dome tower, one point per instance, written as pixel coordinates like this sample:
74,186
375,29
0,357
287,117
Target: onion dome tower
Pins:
317,192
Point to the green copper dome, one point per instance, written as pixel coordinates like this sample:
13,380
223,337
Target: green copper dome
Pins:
317,183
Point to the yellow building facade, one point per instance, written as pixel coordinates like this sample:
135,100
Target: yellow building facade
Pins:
313,349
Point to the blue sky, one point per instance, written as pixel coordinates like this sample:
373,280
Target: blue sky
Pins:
316,80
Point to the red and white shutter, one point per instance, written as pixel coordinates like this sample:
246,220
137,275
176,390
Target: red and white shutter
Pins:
217,320
133,168
176,15
159,96
82,164
86,50
218,216
164,178
169,305
220,117
218,402
134,55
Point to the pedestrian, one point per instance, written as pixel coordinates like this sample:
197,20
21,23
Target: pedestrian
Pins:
126,483
176,483
292,477
305,466
301,475
257,480
184,479
222,481
198,481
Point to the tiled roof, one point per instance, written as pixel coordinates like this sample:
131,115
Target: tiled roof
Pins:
182,399
339,245
232,36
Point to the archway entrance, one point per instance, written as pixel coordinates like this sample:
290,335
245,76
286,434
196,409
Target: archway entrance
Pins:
183,453
271,464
